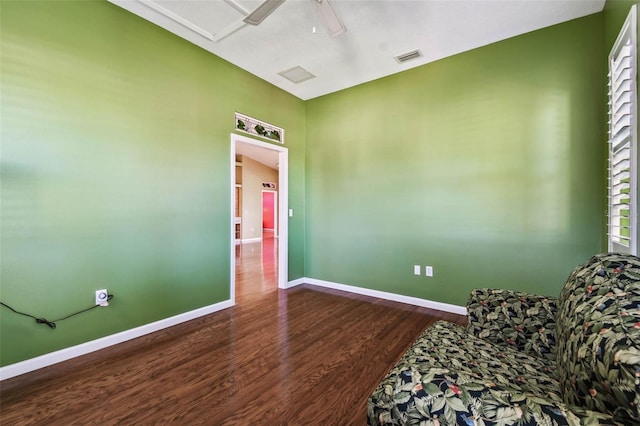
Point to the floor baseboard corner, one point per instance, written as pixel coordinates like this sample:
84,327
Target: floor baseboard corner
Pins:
296,282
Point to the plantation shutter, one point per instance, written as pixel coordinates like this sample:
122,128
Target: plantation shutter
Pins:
623,123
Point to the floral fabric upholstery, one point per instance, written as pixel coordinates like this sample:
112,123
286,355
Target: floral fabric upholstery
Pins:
450,377
523,321
525,359
599,337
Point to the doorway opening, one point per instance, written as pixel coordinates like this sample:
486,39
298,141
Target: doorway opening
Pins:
259,237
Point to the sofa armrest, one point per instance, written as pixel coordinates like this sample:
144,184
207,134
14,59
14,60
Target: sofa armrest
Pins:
523,321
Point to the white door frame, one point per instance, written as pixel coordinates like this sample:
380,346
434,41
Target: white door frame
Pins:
283,205
276,212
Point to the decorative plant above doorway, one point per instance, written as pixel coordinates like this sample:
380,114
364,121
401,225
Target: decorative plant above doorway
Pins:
246,124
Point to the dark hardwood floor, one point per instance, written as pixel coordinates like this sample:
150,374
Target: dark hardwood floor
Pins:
303,356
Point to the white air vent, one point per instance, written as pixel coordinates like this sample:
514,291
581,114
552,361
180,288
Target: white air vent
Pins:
297,75
408,56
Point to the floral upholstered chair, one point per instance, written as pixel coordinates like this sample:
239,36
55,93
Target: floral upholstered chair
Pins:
525,359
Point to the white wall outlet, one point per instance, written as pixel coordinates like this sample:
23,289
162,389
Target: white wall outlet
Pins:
290,212
428,271
416,269
102,297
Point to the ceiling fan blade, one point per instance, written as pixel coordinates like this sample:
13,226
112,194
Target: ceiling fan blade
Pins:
331,21
261,12
235,26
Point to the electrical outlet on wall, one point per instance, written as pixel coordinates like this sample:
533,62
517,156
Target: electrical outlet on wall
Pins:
428,271
102,297
416,269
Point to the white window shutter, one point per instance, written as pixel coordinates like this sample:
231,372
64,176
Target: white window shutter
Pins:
623,140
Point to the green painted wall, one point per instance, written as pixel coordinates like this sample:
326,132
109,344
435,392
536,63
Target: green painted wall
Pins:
115,171
486,165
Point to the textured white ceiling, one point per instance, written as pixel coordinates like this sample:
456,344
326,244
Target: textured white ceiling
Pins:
377,30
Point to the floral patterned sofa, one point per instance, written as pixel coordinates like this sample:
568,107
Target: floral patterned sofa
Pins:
527,359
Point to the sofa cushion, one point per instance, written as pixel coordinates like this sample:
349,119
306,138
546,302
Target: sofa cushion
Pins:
451,377
520,320
598,336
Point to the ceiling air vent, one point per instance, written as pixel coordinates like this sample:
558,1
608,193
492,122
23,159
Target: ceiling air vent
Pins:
297,74
408,56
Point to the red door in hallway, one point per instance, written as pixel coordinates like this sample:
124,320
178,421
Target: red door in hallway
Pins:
269,211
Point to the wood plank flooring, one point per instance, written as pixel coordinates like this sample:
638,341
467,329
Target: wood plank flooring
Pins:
303,356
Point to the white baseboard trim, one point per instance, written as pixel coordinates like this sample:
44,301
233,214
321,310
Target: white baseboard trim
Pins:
251,240
296,282
45,360
446,307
